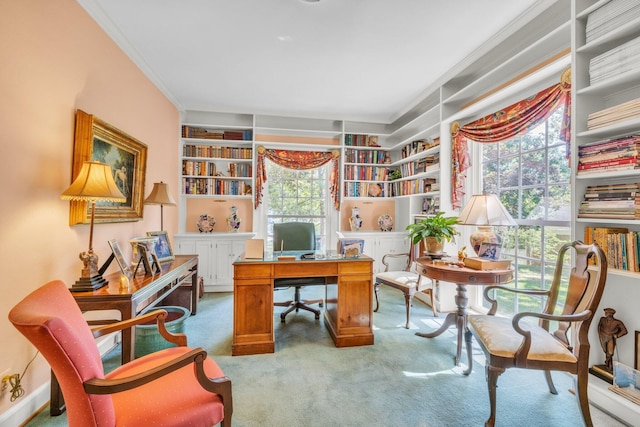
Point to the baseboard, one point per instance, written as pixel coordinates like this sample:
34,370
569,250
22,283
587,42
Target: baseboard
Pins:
30,405
218,288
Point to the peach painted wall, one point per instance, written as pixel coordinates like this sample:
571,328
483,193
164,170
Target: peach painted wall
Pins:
370,211
56,59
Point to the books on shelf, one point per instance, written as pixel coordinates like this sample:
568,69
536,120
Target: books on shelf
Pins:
609,16
418,146
365,156
620,246
616,201
359,140
609,155
612,115
614,62
216,151
203,133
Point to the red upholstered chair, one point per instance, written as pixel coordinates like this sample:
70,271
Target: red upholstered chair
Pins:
560,341
178,386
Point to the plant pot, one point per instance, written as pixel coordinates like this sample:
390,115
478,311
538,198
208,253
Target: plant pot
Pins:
432,246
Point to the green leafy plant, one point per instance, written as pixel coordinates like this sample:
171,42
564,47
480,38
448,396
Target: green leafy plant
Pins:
438,226
394,174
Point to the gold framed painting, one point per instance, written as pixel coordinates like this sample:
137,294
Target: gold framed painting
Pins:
97,140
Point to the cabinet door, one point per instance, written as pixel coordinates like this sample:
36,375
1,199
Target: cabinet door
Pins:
204,251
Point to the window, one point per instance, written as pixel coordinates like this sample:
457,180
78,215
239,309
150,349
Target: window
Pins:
297,195
530,174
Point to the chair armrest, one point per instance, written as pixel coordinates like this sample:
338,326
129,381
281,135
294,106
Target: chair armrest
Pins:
195,356
523,351
160,317
494,302
385,262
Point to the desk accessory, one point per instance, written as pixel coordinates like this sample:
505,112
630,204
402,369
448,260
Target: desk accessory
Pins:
254,249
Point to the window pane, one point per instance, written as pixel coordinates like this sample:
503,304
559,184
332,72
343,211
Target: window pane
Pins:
533,167
509,172
533,205
490,176
559,170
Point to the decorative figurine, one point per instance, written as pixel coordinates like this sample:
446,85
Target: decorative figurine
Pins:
609,330
355,221
233,221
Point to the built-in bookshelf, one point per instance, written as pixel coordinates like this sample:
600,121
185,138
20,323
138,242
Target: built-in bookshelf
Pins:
366,168
419,166
605,113
211,165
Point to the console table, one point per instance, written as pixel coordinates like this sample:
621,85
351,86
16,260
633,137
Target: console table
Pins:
348,313
144,292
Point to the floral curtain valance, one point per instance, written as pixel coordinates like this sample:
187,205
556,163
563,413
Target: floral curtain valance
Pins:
515,120
298,160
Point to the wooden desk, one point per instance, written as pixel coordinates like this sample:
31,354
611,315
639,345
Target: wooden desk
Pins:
348,313
143,292
461,276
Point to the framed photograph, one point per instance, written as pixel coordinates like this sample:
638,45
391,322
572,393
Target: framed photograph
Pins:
96,140
162,246
119,256
489,251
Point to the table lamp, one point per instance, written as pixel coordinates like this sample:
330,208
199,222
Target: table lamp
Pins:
160,196
485,211
94,182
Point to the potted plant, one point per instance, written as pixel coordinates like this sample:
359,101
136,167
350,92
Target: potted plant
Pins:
434,230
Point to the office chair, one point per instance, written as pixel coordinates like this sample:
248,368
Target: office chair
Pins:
296,236
174,386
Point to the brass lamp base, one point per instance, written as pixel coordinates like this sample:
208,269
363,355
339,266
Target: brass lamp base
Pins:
89,284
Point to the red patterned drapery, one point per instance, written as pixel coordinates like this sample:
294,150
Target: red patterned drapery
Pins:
299,160
516,119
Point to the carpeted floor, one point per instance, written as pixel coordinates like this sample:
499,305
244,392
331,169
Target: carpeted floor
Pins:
402,380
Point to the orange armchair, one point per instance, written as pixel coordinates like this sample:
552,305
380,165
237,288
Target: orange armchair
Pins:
178,386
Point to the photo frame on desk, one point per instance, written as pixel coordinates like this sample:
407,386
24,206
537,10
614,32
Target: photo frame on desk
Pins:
162,247
149,261
125,268
351,248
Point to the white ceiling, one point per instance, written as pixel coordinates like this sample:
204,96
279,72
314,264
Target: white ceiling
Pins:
358,60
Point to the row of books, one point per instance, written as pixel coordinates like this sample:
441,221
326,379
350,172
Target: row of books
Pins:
426,164
364,189
610,155
202,133
216,151
414,186
616,201
612,115
365,156
209,186
418,146
361,140
621,246
619,60
205,168
611,15
366,173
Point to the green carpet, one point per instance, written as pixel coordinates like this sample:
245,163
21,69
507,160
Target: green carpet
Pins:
402,380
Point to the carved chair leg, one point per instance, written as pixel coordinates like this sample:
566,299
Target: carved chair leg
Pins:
580,385
552,388
492,382
376,290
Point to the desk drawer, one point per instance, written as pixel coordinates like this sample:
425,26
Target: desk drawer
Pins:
355,267
305,269
248,271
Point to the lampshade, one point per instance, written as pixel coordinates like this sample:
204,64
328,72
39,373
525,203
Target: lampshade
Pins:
93,183
160,195
485,211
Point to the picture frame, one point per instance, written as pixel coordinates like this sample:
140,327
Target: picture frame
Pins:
162,247
125,268
97,140
490,251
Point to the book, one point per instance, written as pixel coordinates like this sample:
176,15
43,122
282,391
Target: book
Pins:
478,263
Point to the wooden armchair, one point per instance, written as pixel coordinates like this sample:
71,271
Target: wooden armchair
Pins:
178,386
516,343
405,280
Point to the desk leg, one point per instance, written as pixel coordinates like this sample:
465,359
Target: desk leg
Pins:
459,318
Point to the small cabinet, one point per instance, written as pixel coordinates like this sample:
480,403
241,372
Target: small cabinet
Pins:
216,253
